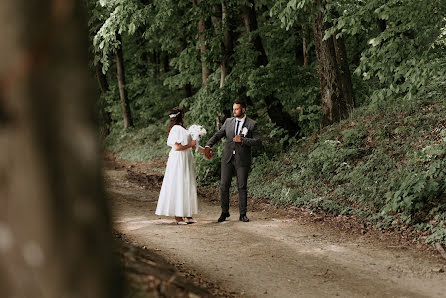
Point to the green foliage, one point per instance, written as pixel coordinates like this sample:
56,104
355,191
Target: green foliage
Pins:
400,61
403,58
387,167
385,163
422,187
122,16
139,145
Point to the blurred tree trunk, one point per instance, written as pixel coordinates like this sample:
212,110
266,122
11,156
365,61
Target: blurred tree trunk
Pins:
128,121
335,79
273,105
55,226
201,39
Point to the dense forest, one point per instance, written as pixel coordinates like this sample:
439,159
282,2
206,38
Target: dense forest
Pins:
349,95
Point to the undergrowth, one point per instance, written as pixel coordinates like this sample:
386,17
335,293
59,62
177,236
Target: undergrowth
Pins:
387,165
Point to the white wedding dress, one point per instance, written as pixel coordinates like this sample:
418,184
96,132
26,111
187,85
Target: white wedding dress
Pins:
178,196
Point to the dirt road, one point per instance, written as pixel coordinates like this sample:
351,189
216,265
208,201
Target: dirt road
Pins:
273,255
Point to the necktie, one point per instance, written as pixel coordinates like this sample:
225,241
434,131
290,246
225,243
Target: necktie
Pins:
236,127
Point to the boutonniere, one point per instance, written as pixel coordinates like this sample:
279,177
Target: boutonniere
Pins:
244,131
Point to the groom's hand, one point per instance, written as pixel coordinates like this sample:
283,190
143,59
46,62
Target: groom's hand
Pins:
208,152
237,139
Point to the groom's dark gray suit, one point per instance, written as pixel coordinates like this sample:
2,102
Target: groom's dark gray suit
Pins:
237,157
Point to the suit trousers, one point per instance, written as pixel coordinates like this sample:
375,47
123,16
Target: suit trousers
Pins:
227,171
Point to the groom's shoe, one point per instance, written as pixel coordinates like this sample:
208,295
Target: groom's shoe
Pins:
223,216
244,218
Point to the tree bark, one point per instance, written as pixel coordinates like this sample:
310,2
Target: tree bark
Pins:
345,75
273,105
335,79
55,222
128,121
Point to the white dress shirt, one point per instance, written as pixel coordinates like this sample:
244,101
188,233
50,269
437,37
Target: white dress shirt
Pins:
240,125
238,129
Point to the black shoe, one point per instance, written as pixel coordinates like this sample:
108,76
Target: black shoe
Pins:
244,218
223,216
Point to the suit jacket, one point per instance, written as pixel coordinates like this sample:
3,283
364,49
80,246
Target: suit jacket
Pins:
243,149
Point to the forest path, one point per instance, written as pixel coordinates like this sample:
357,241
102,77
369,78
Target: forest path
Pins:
271,256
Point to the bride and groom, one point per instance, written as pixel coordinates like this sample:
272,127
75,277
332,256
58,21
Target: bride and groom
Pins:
178,196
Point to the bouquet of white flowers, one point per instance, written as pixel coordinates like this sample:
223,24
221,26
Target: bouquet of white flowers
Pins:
196,131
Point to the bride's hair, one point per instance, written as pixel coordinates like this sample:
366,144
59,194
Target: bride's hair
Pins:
176,117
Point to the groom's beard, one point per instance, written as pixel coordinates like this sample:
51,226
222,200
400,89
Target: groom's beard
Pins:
241,115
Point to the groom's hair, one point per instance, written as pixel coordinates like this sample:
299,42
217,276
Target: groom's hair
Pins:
242,103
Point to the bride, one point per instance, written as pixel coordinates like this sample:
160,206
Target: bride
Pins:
178,196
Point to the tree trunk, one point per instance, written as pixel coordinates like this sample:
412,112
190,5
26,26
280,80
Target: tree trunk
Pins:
299,55
128,122
305,48
224,28
251,25
227,45
273,105
165,62
187,90
201,39
382,24
55,222
187,87
155,60
345,75
102,79
335,80
103,87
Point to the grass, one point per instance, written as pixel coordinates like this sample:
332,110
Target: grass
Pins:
138,145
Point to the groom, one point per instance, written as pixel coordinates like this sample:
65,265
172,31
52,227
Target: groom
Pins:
241,134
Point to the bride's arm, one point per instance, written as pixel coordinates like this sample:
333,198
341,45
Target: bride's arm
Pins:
179,147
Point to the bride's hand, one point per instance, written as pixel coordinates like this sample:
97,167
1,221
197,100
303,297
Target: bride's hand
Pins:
192,143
